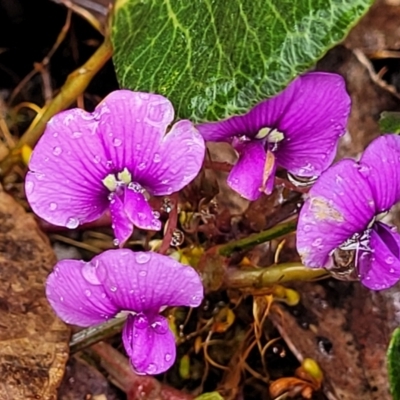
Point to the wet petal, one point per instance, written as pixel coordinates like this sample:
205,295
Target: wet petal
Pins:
149,344
265,114
138,209
246,177
133,126
140,281
380,269
66,168
381,169
74,291
121,223
339,205
313,123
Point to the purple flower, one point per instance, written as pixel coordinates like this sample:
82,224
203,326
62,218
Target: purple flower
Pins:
339,223
297,130
141,284
113,158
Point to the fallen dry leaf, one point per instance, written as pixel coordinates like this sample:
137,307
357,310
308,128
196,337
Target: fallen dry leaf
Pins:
33,341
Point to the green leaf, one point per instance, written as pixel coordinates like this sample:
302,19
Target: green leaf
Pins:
389,122
214,58
210,396
393,359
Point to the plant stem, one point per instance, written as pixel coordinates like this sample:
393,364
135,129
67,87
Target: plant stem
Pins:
74,86
89,336
257,238
264,277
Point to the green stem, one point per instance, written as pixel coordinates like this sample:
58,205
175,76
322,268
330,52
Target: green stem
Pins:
264,277
257,238
88,337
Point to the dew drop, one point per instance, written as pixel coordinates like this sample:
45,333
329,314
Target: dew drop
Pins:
157,158
141,321
389,260
141,166
168,357
117,142
61,298
143,273
392,270
29,187
156,214
113,288
116,242
316,242
151,369
138,146
57,150
52,206
307,228
103,295
88,292
72,223
141,215
55,134
77,135
89,273
142,258
96,159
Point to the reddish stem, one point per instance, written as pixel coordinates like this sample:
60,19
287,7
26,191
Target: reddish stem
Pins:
135,386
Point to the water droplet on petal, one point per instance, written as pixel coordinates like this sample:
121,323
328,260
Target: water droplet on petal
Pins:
88,292
57,150
77,135
61,298
29,187
141,166
55,134
138,146
72,223
96,159
156,214
90,273
142,258
316,242
116,242
307,228
113,288
157,158
151,369
143,273
141,321
389,260
168,357
392,270
52,206
117,142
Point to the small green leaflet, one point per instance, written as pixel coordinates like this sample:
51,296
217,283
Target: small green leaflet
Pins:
210,396
215,58
389,122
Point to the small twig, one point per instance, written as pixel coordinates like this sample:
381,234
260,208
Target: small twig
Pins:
171,225
75,84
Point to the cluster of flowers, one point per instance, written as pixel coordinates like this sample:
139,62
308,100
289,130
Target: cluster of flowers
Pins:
118,156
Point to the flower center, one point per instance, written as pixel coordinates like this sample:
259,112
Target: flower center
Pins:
112,182
272,137
346,256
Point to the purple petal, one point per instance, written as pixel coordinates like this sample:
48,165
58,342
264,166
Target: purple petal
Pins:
264,114
66,168
313,123
380,163
380,269
121,224
246,176
340,204
139,211
74,291
141,281
133,126
149,344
